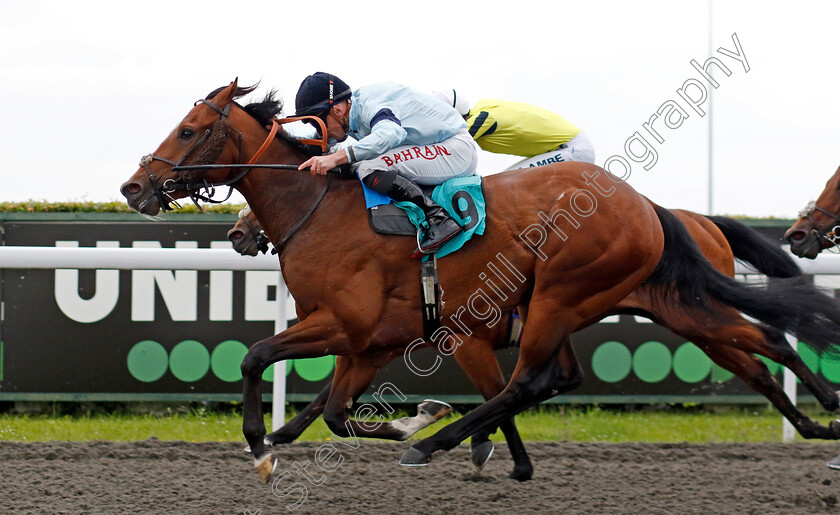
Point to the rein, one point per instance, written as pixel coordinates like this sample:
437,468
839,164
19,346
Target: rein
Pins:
163,192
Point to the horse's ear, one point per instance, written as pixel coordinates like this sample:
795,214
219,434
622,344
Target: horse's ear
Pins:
227,95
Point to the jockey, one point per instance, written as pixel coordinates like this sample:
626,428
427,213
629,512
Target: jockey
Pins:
519,129
403,138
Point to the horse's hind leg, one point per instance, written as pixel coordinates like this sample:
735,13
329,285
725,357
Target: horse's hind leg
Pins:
477,359
535,379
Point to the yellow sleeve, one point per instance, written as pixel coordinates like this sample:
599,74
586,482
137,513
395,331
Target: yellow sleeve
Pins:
516,128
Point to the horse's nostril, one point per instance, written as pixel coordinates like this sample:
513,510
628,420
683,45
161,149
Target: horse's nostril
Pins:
796,236
236,235
131,188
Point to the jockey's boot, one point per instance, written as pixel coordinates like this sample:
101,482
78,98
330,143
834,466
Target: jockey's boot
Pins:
442,227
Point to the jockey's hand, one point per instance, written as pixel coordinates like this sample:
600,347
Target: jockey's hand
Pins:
320,165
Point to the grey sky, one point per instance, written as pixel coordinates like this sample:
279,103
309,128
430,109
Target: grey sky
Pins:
92,86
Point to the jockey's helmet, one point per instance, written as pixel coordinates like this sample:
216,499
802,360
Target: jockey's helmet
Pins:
451,97
318,92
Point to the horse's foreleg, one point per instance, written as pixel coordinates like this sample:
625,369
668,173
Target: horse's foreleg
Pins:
295,427
353,375
317,335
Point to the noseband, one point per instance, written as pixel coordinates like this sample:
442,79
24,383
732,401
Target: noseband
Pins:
830,236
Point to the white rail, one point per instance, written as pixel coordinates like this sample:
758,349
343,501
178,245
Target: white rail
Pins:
162,259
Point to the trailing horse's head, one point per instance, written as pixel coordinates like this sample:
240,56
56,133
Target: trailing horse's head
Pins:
204,136
247,235
818,227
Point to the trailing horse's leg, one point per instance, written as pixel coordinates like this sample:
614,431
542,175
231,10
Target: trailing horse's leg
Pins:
295,427
780,351
353,375
755,373
477,359
317,335
729,328
731,341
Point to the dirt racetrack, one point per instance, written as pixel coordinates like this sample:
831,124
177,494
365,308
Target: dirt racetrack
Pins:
178,477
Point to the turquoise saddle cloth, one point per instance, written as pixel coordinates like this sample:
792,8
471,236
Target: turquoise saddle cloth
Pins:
462,198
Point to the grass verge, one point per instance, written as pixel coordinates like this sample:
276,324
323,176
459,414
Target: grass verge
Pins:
580,424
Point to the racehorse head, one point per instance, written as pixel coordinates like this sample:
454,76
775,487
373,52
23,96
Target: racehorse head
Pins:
818,227
211,133
247,235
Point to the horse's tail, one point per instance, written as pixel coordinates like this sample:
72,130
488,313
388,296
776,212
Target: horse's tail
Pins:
792,304
751,247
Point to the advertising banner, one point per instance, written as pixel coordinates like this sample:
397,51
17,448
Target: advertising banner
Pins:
181,335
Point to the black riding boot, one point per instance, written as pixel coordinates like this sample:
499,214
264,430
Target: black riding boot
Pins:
442,227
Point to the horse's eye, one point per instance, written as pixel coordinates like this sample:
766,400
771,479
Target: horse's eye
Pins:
186,133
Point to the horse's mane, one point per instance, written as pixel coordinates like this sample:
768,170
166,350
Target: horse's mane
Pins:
264,111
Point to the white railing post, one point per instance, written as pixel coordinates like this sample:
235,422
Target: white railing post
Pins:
788,431
278,395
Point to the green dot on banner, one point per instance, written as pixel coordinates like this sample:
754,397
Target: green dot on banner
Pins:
315,369
830,367
720,374
227,359
189,361
691,365
652,362
611,362
268,373
771,365
147,361
809,356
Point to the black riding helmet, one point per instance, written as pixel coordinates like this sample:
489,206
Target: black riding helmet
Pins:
317,94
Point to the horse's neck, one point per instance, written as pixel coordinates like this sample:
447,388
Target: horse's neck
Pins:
279,198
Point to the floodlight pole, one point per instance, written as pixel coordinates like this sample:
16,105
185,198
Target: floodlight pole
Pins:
710,208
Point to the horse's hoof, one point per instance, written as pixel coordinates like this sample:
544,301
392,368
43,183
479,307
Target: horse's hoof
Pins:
480,454
435,409
265,467
524,474
415,458
834,426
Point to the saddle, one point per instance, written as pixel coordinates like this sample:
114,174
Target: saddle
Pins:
463,198
391,219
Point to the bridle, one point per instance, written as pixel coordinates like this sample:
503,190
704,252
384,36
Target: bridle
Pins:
831,236
258,236
194,190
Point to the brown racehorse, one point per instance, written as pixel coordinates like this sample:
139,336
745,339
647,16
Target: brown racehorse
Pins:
357,290
721,240
818,227
249,239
